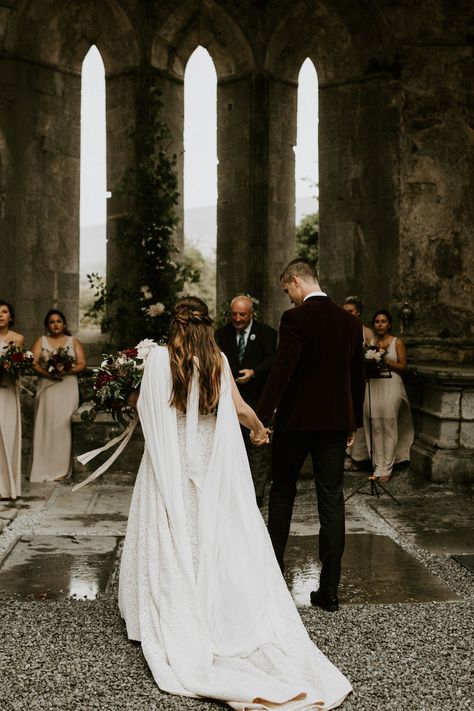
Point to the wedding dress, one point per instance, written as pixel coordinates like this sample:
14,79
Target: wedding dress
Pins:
200,587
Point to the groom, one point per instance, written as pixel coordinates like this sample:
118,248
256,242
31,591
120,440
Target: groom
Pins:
314,397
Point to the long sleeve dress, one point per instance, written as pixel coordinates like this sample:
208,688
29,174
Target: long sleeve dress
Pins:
200,586
10,435
56,400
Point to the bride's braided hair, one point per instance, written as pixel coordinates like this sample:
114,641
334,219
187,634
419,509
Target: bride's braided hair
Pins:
192,338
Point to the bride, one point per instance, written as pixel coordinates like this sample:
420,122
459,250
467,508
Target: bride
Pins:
200,587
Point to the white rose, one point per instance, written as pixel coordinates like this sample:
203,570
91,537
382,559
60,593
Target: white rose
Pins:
144,348
146,292
156,309
121,360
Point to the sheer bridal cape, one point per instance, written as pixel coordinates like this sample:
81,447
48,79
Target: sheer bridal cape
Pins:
199,584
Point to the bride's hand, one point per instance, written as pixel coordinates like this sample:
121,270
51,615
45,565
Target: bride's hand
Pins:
261,436
132,400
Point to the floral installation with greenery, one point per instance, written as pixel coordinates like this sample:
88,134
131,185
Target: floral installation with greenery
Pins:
139,303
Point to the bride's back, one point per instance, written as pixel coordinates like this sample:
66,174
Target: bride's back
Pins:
191,343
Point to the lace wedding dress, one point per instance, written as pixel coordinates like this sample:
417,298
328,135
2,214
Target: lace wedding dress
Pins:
200,587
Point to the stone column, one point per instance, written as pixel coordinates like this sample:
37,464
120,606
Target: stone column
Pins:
358,190
40,119
255,214
125,96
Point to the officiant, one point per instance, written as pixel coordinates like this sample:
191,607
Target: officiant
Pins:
250,347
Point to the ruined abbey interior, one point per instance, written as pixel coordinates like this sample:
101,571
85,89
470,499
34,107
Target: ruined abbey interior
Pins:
396,168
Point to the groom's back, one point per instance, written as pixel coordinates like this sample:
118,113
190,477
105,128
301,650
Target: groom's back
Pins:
325,389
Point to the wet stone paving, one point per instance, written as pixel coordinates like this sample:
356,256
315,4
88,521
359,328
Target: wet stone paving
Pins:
406,597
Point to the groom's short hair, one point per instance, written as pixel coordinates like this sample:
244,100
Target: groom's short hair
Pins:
298,268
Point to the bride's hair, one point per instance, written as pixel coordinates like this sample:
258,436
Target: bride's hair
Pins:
192,337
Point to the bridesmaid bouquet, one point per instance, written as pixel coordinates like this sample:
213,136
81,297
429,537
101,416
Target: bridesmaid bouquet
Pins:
16,361
59,362
118,376
375,364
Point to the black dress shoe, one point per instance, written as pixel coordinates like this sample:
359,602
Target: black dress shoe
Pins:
330,603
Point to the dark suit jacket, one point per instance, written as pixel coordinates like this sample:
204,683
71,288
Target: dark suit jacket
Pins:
317,381
259,355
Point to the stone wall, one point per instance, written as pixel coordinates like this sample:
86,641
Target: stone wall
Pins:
396,147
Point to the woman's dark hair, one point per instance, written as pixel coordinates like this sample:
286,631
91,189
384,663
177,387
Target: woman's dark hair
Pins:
388,316
11,310
57,312
355,301
192,336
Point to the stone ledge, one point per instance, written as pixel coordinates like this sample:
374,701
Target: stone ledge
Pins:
441,465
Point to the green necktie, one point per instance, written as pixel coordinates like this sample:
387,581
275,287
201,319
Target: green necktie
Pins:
241,346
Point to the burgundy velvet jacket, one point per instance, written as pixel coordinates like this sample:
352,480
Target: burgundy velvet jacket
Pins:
317,380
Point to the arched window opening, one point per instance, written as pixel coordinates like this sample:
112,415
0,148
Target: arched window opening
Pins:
200,170
93,209
306,163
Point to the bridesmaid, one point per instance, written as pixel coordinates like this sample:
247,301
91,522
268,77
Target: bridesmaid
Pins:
10,418
387,415
57,397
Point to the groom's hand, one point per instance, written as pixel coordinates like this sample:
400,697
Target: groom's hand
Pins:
245,375
350,438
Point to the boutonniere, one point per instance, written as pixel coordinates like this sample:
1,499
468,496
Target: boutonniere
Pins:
252,336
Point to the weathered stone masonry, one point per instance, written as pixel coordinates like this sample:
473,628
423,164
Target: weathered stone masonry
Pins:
396,137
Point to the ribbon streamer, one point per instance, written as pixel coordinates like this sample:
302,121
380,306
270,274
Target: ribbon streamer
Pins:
123,439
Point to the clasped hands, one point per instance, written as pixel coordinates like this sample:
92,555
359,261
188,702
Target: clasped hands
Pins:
261,436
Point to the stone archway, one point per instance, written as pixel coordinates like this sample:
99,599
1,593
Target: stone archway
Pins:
41,77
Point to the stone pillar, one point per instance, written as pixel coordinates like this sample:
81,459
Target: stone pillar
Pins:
255,214
125,95
436,179
442,400
40,119
358,191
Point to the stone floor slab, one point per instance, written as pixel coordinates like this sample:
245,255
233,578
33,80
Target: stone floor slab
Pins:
103,508
438,523
466,560
305,521
55,567
375,570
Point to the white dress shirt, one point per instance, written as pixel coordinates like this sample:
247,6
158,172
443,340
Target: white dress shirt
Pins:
314,293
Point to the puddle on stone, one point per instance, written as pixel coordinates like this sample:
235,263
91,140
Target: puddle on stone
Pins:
439,524
103,509
57,567
466,560
375,570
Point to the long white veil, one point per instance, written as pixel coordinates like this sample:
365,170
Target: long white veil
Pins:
227,627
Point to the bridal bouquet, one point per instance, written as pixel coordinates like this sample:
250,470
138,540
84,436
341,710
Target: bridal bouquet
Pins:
118,376
375,364
58,363
16,361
